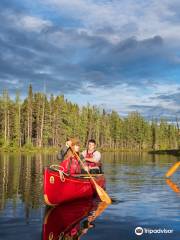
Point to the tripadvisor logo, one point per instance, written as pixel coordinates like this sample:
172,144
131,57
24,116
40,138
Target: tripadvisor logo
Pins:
138,231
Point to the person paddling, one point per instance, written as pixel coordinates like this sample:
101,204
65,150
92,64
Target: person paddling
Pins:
92,157
71,164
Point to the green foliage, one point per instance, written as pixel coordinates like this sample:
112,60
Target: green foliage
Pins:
41,121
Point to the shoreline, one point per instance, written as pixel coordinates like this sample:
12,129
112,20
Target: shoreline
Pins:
29,150
175,152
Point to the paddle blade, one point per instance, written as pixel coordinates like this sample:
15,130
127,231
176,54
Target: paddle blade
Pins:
102,194
173,186
172,169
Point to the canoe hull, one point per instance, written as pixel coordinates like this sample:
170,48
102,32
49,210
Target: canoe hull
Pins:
58,190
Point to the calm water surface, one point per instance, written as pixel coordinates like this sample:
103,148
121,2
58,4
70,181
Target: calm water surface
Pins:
136,183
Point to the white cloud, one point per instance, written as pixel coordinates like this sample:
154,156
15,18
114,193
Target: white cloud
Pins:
33,23
142,19
123,98
26,22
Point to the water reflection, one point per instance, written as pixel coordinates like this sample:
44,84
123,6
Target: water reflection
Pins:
72,220
174,186
21,175
134,180
21,179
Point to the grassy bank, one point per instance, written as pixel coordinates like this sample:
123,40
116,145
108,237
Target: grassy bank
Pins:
30,149
55,149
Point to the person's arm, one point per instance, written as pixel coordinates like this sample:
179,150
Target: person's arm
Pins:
64,150
62,153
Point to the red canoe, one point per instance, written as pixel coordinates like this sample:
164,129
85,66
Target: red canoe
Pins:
68,219
60,188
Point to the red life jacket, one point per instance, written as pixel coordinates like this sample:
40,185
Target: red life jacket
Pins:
71,165
91,164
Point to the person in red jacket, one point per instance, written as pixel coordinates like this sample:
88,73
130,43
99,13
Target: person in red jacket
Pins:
71,164
92,157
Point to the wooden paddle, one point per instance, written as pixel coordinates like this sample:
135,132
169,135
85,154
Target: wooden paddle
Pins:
172,169
100,191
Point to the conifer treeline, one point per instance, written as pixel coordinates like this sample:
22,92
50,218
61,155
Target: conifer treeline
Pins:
40,121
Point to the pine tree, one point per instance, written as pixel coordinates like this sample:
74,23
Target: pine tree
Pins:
6,118
17,122
29,115
42,121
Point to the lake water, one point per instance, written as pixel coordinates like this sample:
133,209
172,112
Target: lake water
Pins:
136,183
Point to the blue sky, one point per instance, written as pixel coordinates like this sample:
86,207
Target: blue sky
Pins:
121,55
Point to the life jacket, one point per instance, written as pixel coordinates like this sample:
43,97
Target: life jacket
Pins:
71,165
91,164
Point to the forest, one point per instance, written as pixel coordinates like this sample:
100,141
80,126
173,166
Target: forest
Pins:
40,121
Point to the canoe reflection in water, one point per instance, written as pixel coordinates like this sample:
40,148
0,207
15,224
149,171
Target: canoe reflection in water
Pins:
71,221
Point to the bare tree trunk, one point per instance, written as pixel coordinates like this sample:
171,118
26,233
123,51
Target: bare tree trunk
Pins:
5,125
42,123
19,125
8,126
